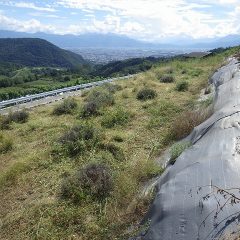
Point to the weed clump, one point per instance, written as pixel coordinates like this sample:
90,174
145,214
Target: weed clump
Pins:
80,139
101,97
17,117
6,144
96,100
66,107
146,94
167,79
182,86
115,117
112,88
116,151
177,149
94,182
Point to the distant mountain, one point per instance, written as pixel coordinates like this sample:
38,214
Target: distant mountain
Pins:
96,40
37,52
89,40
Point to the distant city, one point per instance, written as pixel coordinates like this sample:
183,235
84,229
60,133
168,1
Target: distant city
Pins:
106,55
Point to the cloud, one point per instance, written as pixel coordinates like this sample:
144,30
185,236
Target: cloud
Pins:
160,18
143,19
30,6
31,25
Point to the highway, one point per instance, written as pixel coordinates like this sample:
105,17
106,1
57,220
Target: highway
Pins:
31,98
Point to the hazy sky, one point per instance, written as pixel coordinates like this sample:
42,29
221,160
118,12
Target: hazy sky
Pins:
143,19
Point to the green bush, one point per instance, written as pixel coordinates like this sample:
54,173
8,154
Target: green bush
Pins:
94,182
177,149
167,79
89,109
146,94
6,144
80,139
182,86
115,117
66,107
17,117
101,97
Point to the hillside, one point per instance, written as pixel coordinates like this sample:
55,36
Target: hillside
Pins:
129,66
37,52
76,169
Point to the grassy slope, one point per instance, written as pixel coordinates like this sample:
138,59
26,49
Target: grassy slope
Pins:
30,177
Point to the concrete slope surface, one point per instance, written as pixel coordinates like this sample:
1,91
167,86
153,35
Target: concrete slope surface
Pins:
188,205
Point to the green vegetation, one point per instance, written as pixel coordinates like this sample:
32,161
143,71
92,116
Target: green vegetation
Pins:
17,117
146,94
115,117
66,107
101,97
80,139
72,178
182,86
129,66
6,144
37,52
177,149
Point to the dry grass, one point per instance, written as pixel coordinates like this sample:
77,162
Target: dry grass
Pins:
187,121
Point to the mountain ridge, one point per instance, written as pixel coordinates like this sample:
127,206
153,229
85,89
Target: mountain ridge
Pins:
96,40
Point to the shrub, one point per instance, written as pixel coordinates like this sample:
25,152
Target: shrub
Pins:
66,79
66,107
118,138
185,123
177,149
17,117
6,144
115,117
80,138
89,109
94,182
146,94
167,79
116,151
112,87
101,97
182,86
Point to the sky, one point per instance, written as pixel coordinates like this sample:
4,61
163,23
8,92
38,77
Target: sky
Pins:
151,20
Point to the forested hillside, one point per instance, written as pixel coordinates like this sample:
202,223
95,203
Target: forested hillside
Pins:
37,52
